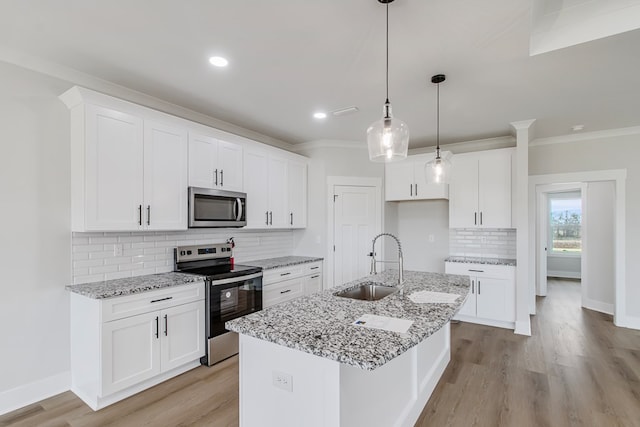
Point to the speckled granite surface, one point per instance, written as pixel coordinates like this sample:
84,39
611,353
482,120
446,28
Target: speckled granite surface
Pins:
132,285
285,261
479,260
321,323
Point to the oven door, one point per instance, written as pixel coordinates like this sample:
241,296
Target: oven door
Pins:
216,208
232,298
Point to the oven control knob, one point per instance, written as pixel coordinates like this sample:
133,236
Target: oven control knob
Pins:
182,253
189,252
228,295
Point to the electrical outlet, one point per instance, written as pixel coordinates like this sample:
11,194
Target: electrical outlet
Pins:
283,380
117,249
432,238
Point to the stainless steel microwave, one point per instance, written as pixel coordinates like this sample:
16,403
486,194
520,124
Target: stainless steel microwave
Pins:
216,208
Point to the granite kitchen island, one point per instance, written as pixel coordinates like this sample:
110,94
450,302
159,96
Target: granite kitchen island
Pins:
305,362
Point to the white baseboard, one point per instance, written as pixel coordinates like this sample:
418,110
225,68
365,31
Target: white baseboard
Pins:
600,306
564,274
26,394
523,327
630,322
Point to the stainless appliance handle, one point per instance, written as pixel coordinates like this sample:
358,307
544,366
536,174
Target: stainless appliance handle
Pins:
235,279
238,209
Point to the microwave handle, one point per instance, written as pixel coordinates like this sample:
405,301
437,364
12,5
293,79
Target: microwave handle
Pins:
237,208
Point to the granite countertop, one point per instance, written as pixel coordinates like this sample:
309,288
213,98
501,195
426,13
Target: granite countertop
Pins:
284,261
132,285
322,323
481,260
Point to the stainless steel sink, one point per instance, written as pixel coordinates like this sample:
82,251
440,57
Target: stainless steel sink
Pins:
368,291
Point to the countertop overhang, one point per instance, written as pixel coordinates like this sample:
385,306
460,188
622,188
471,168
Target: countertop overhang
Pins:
322,323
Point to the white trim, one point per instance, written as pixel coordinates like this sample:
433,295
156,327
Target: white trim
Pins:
586,136
353,181
329,143
617,175
523,328
522,124
486,322
26,394
562,275
631,322
469,146
600,306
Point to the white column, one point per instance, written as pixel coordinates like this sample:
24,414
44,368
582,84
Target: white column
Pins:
523,131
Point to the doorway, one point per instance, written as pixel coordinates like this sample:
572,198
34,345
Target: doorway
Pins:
355,218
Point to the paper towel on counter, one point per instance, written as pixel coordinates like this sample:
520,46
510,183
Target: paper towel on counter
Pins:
430,297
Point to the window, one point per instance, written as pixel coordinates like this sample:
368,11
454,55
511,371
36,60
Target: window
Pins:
565,219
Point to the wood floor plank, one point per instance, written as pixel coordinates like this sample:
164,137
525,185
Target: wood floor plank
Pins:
577,369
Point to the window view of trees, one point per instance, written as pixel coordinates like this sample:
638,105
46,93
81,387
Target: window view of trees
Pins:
565,225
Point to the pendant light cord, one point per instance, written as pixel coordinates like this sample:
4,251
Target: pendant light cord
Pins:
438,123
387,53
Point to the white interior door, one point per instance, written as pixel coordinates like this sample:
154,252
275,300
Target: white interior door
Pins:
543,233
355,225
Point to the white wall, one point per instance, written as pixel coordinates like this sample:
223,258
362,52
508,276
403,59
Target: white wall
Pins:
567,267
600,257
603,153
35,254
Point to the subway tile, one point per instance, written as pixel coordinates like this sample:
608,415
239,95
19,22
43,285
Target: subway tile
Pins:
103,240
88,263
88,278
100,254
117,275
103,269
87,248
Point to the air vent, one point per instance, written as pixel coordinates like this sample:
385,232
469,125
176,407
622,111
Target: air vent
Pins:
344,111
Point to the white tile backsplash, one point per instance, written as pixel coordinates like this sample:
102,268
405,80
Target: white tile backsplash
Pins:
152,252
488,243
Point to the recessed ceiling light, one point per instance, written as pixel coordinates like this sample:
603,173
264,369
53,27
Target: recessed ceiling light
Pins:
320,115
577,128
218,61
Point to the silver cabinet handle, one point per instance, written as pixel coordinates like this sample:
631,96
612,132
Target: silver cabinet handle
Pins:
285,274
139,214
161,299
480,218
411,189
284,292
148,214
271,218
475,218
216,174
477,271
478,287
157,327
416,190
166,325
314,268
221,178
291,218
473,287
315,277
267,220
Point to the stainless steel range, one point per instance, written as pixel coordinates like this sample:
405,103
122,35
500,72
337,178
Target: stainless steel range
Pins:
231,291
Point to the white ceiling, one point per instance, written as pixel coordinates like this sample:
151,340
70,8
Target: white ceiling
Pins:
289,58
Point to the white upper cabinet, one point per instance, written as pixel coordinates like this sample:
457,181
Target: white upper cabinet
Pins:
128,172
276,189
405,180
214,163
480,190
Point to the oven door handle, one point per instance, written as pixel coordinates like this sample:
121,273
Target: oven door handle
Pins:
237,209
235,279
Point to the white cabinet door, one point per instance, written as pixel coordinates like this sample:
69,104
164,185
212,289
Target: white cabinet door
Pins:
183,334
494,195
203,158
256,187
277,182
469,307
297,191
229,166
165,177
463,192
112,196
399,181
496,299
130,351
312,283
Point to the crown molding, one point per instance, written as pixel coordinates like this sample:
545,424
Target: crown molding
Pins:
469,146
586,136
79,78
328,143
522,124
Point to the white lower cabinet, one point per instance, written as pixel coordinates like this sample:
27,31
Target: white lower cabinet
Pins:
286,283
492,299
123,345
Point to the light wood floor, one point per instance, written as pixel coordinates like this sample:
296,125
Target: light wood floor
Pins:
576,370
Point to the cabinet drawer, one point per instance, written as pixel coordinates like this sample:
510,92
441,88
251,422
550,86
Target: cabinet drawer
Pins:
144,302
291,272
283,291
480,270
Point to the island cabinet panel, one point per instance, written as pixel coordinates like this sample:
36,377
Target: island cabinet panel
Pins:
123,345
492,297
480,189
286,283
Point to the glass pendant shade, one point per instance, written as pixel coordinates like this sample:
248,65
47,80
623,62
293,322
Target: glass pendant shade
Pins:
437,170
388,138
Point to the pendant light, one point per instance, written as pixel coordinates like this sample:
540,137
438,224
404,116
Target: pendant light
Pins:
388,138
437,170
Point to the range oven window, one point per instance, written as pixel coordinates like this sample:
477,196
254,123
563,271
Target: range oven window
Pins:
231,301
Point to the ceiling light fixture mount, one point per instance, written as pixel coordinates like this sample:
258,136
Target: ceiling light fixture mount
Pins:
387,138
437,170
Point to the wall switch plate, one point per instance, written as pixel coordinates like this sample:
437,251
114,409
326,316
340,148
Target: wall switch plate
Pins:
117,249
283,380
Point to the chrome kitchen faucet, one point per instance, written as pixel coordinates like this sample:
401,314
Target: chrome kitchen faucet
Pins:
399,262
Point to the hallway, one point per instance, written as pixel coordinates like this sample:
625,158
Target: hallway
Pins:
577,369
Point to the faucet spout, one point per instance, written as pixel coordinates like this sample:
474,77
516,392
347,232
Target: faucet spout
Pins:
399,262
